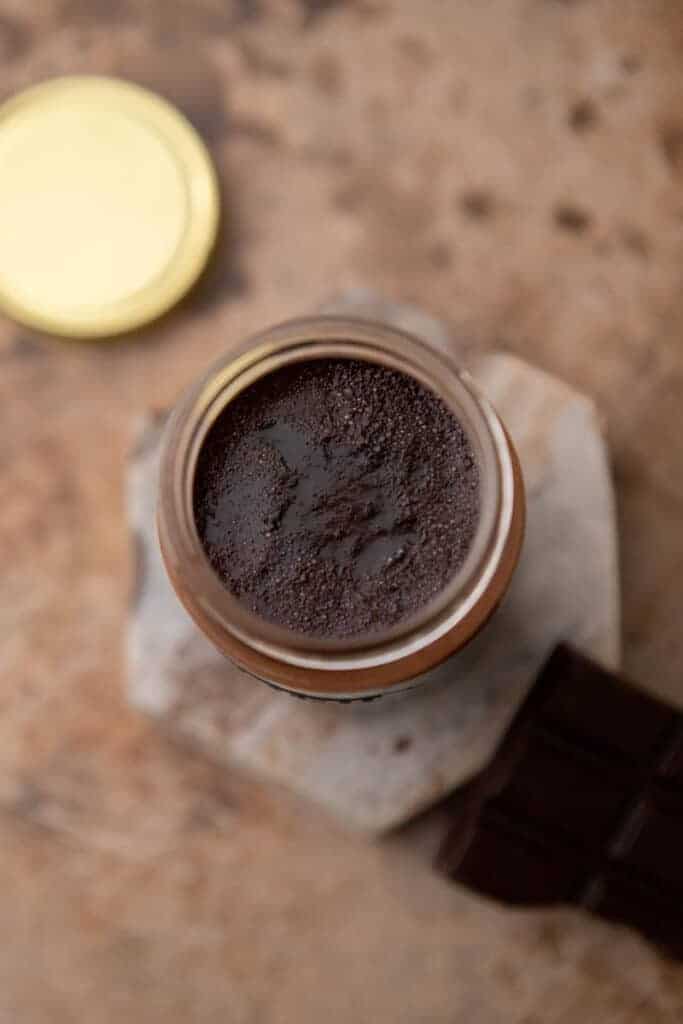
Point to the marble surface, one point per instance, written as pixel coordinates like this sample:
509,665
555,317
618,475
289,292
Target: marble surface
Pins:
376,765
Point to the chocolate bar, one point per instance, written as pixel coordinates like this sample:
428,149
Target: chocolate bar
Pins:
582,803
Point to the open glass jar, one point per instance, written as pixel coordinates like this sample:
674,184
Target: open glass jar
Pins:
383,661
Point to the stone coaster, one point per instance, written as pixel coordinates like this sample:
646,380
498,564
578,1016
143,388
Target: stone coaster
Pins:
375,765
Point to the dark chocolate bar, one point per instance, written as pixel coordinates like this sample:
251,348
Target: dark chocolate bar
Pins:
582,803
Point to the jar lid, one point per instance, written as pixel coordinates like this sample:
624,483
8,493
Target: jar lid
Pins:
108,206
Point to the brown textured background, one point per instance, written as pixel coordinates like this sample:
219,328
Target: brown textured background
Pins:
514,166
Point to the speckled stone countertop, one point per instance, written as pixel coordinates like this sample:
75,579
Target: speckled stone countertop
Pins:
514,166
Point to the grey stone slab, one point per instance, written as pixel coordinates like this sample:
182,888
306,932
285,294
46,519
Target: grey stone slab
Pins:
376,765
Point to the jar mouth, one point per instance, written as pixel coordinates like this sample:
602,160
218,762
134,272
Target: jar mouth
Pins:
306,340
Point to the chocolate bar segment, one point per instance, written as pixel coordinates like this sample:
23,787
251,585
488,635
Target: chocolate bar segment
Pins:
582,803
672,764
596,708
655,845
587,798
532,872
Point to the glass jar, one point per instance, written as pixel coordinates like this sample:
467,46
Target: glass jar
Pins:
384,661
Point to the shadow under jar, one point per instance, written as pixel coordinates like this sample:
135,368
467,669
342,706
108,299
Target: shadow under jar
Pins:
367,650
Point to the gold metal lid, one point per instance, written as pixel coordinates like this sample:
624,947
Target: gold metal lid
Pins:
108,206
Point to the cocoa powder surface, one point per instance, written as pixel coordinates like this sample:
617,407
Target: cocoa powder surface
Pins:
336,497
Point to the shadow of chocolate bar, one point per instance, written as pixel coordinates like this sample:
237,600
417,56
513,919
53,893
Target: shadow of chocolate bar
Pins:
582,803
